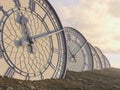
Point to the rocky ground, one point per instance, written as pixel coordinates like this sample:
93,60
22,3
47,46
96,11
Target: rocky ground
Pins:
108,79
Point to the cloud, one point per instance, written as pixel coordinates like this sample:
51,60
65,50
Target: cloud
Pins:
114,8
97,20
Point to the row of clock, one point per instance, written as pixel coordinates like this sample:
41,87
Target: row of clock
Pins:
35,46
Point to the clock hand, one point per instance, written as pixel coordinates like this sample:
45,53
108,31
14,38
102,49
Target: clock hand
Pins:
75,60
80,47
34,38
39,36
72,56
26,41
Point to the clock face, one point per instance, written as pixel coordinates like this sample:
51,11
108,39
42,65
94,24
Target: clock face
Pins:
25,57
107,62
79,53
101,57
96,59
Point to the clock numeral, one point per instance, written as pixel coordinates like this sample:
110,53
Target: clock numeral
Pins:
10,72
57,51
3,11
1,53
69,37
27,77
17,3
41,76
31,5
44,17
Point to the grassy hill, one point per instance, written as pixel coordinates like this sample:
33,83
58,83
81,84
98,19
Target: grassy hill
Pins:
108,79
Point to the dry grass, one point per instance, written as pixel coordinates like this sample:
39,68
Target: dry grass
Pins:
108,79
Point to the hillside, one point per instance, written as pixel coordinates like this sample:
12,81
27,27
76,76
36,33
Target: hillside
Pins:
108,79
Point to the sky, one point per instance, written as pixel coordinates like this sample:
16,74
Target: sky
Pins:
97,20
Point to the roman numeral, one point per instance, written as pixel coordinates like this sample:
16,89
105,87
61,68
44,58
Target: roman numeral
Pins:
27,77
41,76
31,5
17,3
44,17
1,53
10,72
3,11
69,37
57,51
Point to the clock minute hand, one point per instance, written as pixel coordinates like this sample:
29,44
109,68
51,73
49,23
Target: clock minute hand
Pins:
80,47
47,34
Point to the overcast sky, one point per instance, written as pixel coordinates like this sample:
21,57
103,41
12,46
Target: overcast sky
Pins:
97,20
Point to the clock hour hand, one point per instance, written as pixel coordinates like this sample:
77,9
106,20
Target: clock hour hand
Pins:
26,40
22,20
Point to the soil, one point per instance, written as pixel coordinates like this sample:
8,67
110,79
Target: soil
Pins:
108,79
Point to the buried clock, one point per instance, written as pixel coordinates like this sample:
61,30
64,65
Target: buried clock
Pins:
79,56
32,45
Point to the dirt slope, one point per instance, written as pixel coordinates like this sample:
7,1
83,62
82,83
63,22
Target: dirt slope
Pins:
108,79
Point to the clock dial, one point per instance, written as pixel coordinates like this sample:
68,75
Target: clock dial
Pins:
107,62
26,59
99,52
96,59
79,53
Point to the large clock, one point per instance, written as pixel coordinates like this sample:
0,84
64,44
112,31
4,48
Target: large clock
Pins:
101,57
96,59
79,56
108,65
32,46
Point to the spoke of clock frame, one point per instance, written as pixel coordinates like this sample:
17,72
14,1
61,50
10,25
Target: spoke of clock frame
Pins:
31,5
10,72
17,3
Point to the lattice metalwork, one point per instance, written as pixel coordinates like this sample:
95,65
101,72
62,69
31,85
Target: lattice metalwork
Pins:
101,57
31,43
96,59
79,56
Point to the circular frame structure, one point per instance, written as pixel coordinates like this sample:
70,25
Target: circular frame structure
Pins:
96,59
107,62
79,56
26,58
101,57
